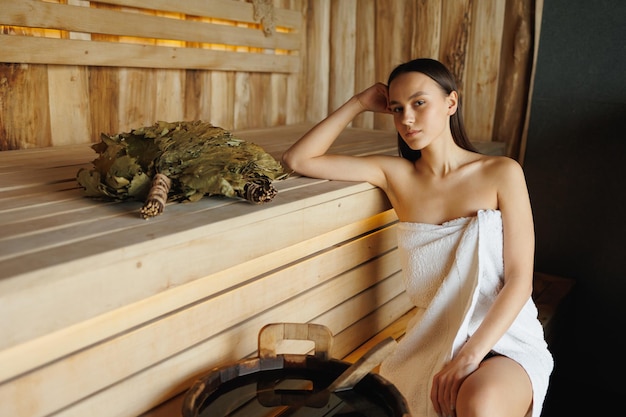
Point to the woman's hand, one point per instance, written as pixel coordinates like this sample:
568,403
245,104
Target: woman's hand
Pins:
375,98
446,384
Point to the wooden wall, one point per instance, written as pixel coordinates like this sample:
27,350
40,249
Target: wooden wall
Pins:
121,64
487,44
49,98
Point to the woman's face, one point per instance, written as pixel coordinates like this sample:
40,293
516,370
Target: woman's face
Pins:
421,109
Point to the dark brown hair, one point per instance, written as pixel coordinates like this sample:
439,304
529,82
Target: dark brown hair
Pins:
442,76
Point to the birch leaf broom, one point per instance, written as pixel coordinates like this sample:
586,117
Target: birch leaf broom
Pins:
179,161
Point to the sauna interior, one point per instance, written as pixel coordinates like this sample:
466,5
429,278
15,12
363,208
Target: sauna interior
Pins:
103,313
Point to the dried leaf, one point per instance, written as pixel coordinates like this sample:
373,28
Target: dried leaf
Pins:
199,158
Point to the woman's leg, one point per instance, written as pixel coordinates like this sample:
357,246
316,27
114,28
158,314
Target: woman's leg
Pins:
499,387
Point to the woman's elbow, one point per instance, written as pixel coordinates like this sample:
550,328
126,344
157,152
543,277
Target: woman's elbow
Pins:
524,288
289,161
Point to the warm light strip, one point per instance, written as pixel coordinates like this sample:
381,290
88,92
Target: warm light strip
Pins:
58,34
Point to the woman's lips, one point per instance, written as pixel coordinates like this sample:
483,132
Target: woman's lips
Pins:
412,133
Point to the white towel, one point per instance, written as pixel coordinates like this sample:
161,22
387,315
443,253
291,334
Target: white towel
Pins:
452,273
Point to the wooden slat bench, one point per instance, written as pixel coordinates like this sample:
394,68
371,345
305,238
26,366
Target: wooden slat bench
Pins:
104,313
550,293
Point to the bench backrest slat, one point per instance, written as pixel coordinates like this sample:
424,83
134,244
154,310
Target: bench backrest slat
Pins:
221,35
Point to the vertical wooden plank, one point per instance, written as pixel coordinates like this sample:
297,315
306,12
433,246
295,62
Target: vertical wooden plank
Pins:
222,99
137,105
515,67
242,100
392,44
278,90
318,60
538,16
482,68
243,94
297,83
365,66
197,84
104,90
383,52
24,111
260,97
295,111
406,18
137,98
169,93
342,51
103,101
170,83
427,36
197,87
68,91
455,25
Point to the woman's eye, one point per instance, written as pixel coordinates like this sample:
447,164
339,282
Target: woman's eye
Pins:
396,110
419,103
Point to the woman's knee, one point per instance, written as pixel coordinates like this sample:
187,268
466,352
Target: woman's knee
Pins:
498,387
478,400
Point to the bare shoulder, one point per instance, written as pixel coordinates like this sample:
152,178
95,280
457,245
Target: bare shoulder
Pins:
499,162
507,178
502,168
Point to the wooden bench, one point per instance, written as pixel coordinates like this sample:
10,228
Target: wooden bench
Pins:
550,293
104,313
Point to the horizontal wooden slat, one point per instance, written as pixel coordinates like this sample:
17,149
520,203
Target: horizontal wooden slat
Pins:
31,50
151,255
397,329
173,376
78,336
388,320
42,201
86,243
58,384
37,14
124,226
220,9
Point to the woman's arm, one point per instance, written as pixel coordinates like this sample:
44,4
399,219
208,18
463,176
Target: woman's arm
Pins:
308,155
518,254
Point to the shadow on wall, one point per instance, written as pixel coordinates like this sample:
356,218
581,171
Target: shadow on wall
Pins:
575,165
575,169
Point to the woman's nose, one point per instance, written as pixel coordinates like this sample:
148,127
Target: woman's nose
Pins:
408,117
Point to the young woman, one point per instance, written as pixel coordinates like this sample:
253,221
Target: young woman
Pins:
466,242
